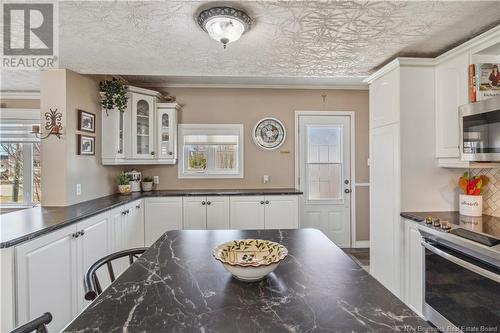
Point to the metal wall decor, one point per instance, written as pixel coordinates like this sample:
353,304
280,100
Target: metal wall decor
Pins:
269,133
53,125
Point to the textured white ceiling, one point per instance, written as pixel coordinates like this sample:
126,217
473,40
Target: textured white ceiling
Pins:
323,39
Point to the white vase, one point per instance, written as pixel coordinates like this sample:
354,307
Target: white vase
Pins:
471,205
147,186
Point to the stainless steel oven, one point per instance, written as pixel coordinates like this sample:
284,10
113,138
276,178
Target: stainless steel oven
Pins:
480,130
462,293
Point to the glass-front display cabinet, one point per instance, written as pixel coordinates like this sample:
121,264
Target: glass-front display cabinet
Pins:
145,133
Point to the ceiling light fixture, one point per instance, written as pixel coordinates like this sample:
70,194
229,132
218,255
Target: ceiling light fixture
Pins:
224,24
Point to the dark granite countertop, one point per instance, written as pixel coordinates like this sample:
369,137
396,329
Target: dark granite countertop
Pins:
19,226
177,286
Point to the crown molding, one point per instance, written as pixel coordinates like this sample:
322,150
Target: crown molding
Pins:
471,44
492,36
255,86
400,62
19,95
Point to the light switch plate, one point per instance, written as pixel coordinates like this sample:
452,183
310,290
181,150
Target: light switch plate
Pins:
156,180
78,189
266,179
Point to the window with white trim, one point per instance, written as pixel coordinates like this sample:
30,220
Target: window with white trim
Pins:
210,151
20,170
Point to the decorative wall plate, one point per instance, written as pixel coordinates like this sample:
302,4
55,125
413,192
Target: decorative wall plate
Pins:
269,133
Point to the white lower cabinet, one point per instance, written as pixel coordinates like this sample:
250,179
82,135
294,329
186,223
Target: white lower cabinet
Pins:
281,212
161,215
206,212
50,270
247,212
414,267
264,212
47,278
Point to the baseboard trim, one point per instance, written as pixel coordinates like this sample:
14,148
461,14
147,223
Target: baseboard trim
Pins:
361,244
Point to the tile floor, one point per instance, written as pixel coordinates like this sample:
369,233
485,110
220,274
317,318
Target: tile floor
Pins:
360,255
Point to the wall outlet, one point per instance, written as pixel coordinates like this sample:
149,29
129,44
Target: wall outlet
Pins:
156,180
266,179
78,189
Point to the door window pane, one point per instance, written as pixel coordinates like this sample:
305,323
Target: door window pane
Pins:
11,173
325,181
324,143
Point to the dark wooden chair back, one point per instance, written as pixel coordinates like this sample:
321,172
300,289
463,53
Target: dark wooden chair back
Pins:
91,281
37,325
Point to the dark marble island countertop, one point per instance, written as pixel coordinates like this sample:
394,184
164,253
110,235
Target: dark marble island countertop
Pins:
177,286
22,225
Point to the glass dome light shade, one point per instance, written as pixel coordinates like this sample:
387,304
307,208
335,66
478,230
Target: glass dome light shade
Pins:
224,29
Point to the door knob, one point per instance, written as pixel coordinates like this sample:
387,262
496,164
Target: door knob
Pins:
347,190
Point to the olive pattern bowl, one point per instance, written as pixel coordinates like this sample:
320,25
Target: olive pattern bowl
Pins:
250,259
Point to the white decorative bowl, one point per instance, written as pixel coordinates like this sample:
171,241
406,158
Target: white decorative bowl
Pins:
250,259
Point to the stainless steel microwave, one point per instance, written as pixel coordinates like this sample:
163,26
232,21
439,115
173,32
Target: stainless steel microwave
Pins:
480,130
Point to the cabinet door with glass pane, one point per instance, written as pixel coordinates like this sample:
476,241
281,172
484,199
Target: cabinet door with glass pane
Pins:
166,131
143,114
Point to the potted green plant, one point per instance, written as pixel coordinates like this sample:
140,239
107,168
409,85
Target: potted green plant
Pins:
147,184
113,95
124,186
471,202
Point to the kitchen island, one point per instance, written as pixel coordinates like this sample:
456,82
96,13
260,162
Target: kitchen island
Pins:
177,286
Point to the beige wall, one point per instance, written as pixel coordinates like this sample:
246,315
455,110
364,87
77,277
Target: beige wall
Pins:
247,106
62,168
20,103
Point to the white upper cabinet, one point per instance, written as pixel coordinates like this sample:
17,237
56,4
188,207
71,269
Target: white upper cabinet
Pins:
145,133
451,92
143,116
166,130
384,99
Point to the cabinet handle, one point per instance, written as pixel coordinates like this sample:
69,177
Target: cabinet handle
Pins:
138,206
203,203
267,202
152,153
119,151
82,232
347,191
128,211
124,212
170,153
208,202
262,202
75,235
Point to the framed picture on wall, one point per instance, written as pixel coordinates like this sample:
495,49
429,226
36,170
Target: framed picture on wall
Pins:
86,145
86,121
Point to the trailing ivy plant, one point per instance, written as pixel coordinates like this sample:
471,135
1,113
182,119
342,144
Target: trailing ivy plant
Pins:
114,95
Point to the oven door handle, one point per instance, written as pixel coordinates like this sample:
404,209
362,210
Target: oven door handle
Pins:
465,264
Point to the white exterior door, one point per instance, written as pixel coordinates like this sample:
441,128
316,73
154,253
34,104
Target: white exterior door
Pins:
325,175
218,212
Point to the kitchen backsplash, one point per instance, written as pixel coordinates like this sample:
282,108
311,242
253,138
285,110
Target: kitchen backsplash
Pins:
491,195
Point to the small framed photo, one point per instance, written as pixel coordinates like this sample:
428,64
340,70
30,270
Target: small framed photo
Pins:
86,121
86,145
